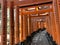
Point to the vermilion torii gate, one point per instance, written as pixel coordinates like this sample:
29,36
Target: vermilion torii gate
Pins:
20,26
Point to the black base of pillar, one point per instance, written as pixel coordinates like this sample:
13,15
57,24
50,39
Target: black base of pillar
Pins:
51,39
43,29
54,43
28,40
32,35
22,43
38,30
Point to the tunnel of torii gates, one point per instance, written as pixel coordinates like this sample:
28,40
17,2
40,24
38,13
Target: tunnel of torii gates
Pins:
30,15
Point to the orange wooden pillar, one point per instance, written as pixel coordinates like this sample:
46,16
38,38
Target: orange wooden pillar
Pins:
21,28
53,26
17,25
4,22
50,25
29,25
39,24
33,25
36,27
11,6
47,23
25,27
42,24
57,19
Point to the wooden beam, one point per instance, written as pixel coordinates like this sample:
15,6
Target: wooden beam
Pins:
30,2
40,16
36,12
4,22
11,7
38,5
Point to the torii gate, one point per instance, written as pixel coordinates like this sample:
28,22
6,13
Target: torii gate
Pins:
56,18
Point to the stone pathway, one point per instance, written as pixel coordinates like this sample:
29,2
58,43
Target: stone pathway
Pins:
41,38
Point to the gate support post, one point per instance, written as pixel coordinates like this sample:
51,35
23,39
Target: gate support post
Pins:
21,28
57,19
4,22
53,26
11,7
29,25
25,31
17,25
